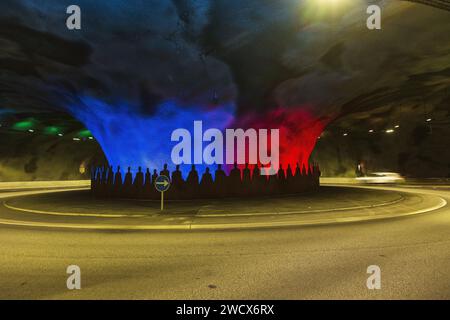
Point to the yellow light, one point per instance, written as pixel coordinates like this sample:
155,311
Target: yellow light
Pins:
390,131
312,11
330,3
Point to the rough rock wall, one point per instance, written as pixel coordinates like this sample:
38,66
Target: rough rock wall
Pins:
28,157
416,151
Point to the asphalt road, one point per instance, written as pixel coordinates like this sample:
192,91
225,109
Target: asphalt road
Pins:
291,263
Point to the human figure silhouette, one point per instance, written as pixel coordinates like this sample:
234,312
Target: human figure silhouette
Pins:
110,181
234,181
206,184
104,183
165,172
118,182
304,173
192,184
290,185
297,178
256,171
128,183
289,174
177,183
154,193
246,180
98,179
220,182
297,171
246,173
147,184
177,177
317,175
154,176
307,178
304,178
138,183
128,178
100,182
148,178
110,177
95,181
93,172
263,181
272,182
104,174
193,176
281,174
256,187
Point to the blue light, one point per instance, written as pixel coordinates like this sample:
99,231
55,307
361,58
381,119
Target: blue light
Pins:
130,138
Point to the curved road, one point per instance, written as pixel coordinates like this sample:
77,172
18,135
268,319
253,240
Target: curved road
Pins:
292,263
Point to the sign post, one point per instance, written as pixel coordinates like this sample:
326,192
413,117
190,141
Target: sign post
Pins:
162,184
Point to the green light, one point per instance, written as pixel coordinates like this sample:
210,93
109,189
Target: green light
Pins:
24,125
84,134
52,130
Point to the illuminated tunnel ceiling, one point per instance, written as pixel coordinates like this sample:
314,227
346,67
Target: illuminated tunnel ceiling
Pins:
226,59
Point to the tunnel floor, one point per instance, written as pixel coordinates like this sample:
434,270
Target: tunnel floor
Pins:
79,210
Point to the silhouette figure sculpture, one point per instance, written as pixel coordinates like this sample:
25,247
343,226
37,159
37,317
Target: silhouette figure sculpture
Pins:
177,183
110,178
290,185
256,186
118,182
104,174
110,181
297,178
100,181
281,176
263,181
246,181
165,171
105,183
234,182
310,175
272,182
192,182
147,184
92,171
317,174
154,176
94,181
154,192
206,184
220,182
138,183
99,176
128,183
